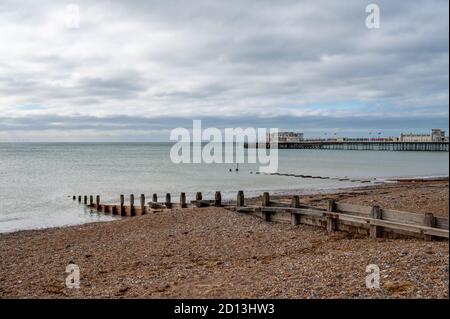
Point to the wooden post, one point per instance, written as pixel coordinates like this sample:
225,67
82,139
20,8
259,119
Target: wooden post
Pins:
131,212
331,223
429,221
267,216
218,199
91,200
331,205
74,197
375,231
142,212
265,199
240,199
183,200
168,201
85,200
97,201
113,210
295,219
198,198
295,201
79,198
155,198
122,208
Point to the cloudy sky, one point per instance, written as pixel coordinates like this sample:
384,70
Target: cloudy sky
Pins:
134,70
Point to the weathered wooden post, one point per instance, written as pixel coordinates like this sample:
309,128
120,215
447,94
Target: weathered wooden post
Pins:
198,199
142,212
122,208
74,197
295,219
331,220
267,215
155,198
168,201
331,205
295,201
79,198
265,199
429,221
183,200
91,200
376,213
331,223
240,199
218,199
131,212
113,210
85,199
97,202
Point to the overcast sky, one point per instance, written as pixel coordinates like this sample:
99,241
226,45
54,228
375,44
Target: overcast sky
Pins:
134,70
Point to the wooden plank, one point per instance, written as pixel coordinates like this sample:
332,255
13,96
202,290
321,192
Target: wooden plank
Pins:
404,217
395,225
301,211
391,215
350,208
341,221
246,209
154,205
441,222
279,204
202,203
354,219
284,204
412,228
392,225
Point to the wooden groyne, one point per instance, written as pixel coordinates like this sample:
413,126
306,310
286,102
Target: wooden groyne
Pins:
341,179
372,221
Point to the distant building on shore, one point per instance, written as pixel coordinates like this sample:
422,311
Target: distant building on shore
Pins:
437,135
285,137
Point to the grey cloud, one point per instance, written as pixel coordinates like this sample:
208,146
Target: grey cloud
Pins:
118,123
246,59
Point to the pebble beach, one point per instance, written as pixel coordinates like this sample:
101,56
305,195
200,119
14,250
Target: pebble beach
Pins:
215,253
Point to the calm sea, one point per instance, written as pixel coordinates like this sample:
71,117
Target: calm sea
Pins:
36,180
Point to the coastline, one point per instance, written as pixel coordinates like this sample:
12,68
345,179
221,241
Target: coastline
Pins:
327,193
215,253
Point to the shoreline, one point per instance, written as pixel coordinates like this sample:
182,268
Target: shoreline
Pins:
215,253
280,194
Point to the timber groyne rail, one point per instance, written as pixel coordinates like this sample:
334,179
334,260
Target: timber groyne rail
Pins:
372,221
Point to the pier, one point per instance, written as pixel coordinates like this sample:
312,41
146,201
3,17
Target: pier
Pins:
359,145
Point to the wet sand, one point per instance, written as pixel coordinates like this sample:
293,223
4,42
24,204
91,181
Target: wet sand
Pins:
215,253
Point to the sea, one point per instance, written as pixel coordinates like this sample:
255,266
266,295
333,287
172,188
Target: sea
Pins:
38,180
